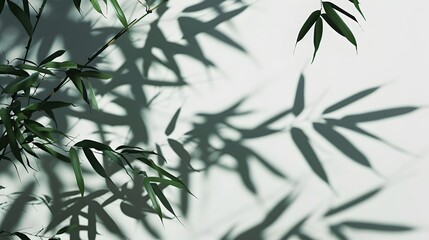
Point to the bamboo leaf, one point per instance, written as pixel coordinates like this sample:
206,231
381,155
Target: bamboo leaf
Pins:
299,103
96,6
21,236
95,74
34,68
93,144
356,3
341,143
65,64
119,12
152,197
7,122
172,125
67,229
21,16
51,57
378,115
77,4
77,81
349,100
92,97
77,170
318,32
176,184
21,84
94,162
339,23
112,156
7,69
53,152
158,192
311,20
342,11
301,141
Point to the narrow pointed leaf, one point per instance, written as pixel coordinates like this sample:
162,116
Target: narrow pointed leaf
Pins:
7,122
52,152
353,202
301,141
77,4
21,16
341,143
94,162
311,20
51,57
152,197
93,144
92,97
318,32
172,125
342,11
95,74
65,64
21,83
34,68
158,192
339,23
77,81
377,226
176,184
299,103
67,229
378,115
349,100
356,3
119,12
7,69
21,236
77,170
96,6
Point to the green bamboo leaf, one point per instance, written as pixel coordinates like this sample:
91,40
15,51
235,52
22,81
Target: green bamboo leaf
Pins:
2,5
341,143
7,122
93,144
51,57
77,81
176,184
52,105
26,6
21,236
77,170
172,125
94,162
34,68
64,65
112,156
21,16
349,100
342,11
96,6
311,20
7,69
95,74
21,84
302,142
152,197
377,226
339,23
299,103
77,4
52,152
67,229
39,130
356,3
158,192
119,12
353,202
92,98
378,115
318,32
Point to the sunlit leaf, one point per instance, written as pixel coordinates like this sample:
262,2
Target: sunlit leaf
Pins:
96,6
119,12
94,162
22,17
7,69
34,68
180,150
65,65
341,143
52,152
77,170
318,32
152,197
311,20
303,144
172,125
339,23
378,115
92,97
51,57
21,83
349,100
158,192
299,103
